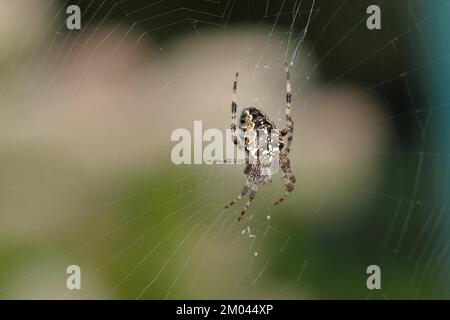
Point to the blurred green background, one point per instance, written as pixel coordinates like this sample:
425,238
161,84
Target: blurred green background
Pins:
86,176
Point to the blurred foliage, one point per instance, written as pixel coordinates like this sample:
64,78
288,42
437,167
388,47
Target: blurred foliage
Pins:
137,234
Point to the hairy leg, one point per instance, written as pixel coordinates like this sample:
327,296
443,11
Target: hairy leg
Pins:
251,196
234,109
289,127
288,178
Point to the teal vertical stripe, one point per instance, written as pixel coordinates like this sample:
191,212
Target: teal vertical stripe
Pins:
438,38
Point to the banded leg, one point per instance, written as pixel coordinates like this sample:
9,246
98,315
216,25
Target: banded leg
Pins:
289,128
246,189
288,179
234,109
251,195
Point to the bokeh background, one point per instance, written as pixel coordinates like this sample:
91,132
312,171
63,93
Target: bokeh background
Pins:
86,176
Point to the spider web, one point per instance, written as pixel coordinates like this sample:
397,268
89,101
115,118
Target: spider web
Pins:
160,231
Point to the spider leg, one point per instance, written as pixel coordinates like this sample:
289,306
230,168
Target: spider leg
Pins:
244,191
288,178
289,127
251,196
234,109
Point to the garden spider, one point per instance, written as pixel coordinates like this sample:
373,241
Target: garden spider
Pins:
251,123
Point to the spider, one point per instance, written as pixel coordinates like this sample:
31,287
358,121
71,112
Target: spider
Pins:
252,122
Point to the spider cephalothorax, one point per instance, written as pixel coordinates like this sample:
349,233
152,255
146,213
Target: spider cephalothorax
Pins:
263,145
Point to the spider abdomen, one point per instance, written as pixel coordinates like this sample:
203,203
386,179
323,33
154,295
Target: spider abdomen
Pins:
253,118
255,123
